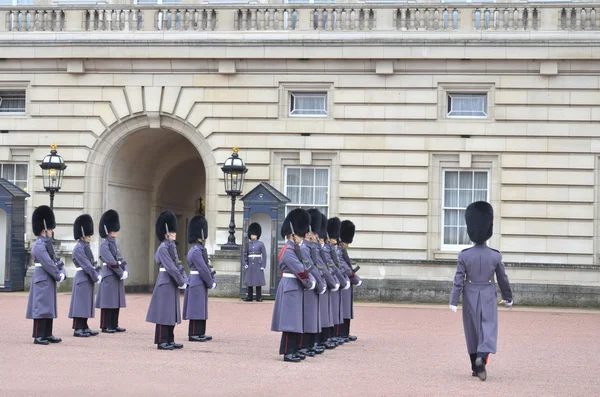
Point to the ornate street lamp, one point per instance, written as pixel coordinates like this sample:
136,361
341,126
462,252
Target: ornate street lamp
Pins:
234,172
53,167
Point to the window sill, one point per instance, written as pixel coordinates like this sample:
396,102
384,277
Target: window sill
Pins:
446,254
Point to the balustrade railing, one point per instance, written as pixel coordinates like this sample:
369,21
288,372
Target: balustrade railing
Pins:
330,17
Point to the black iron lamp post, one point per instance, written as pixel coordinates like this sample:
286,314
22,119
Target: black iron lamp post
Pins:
234,172
53,168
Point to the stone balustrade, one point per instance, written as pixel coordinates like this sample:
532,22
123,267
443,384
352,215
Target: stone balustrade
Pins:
330,17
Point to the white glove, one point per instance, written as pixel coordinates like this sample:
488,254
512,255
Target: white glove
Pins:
262,268
125,275
453,308
347,285
323,290
314,283
184,286
62,278
337,286
245,266
507,303
359,283
99,279
214,286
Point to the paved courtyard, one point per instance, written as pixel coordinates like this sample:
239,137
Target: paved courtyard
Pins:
402,350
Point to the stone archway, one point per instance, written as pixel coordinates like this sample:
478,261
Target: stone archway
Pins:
140,171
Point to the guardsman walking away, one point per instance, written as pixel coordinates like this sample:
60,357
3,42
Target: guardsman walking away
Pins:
195,301
474,279
254,260
86,276
287,311
333,231
165,309
323,340
41,306
347,230
111,292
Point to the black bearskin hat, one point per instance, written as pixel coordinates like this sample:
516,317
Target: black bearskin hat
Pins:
300,219
323,229
83,226
41,214
315,220
347,232
333,228
166,219
254,229
479,218
109,222
197,229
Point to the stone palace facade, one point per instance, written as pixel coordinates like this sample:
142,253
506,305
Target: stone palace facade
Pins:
395,115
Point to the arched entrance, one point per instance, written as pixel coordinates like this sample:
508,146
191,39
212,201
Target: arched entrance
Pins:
145,171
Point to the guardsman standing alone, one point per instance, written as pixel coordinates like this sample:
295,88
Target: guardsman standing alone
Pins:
165,309
86,276
346,237
41,307
333,232
195,301
111,292
254,260
287,312
475,280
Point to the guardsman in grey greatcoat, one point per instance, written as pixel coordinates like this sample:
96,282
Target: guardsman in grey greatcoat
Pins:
475,280
111,292
86,276
195,301
325,310
347,229
333,232
41,306
164,310
254,259
288,312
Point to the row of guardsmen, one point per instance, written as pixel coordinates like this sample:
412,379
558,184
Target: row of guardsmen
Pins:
164,308
314,301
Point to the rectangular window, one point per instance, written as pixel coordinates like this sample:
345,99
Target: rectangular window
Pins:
16,2
12,101
460,188
467,106
308,104
15,174
307,188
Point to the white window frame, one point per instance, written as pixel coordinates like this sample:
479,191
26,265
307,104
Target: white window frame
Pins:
457,247
18,3
450,100
16,112
307,206
292,101
159,2
310,1
14,180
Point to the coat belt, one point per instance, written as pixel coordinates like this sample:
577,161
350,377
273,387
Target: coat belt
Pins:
38,264
194,272
255,256
288,275
77,269
162,269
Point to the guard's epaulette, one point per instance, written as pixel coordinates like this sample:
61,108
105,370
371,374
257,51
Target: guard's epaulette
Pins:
466,249
495,250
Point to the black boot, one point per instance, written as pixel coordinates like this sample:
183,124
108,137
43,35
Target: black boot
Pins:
89,331
40,341
80,333
473,357
480,368
249,297
258,294
292,358
165,346
53,339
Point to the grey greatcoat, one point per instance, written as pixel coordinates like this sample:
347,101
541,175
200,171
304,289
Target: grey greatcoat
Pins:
255,256
42,294
82,298
195,301
164,306
111,292
346,294
287,312
325,309
336,296
475,280
312,316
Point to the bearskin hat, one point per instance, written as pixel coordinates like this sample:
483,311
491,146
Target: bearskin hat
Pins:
41,214
197,229
83,226
254,229
323,229
315,220
347,232
109,222
299,219
333,228
479,218
166,221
